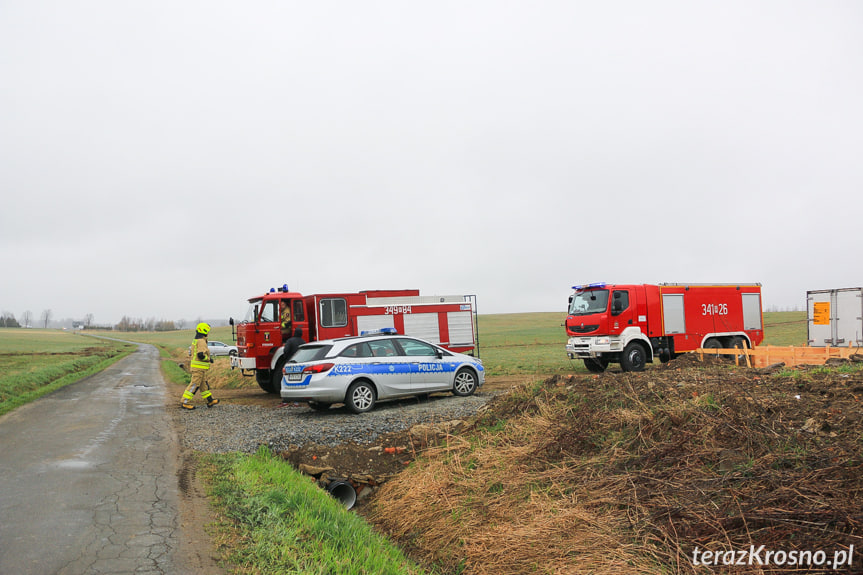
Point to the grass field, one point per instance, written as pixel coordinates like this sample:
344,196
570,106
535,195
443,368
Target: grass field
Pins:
35,362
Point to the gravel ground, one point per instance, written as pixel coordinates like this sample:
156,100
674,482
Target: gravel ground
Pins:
230,427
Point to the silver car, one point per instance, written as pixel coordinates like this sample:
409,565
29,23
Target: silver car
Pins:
219,348
359,371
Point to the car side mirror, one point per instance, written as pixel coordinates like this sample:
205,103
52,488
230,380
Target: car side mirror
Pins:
439,354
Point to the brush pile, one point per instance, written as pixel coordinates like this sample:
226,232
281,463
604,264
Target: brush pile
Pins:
653,472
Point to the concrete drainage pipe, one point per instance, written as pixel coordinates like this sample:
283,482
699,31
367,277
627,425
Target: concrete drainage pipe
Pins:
343,491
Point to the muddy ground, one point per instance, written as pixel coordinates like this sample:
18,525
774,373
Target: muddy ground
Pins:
369,464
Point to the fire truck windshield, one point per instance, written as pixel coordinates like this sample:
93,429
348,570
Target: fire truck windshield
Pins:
589,302
252,312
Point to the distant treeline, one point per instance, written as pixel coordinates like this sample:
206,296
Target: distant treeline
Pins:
130,324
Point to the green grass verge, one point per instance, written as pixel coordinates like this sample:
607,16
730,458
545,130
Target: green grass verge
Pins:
29,376
286,524
173,372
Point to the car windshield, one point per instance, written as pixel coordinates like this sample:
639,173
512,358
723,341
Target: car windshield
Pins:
588,302
310,353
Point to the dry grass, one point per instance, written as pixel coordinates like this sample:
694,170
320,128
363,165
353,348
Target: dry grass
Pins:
631,473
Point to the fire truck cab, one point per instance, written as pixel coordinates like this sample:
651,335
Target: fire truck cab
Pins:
632,324
448,321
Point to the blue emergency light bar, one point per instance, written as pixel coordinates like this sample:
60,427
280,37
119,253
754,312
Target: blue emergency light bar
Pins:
284,288
590,286
381,331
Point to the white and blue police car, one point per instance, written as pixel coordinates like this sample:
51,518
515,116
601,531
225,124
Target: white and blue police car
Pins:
361,370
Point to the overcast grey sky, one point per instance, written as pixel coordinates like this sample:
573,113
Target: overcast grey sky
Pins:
170,159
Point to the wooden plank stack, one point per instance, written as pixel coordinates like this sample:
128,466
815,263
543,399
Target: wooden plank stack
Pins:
765,355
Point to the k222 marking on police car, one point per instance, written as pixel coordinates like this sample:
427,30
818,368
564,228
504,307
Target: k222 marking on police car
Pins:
397,309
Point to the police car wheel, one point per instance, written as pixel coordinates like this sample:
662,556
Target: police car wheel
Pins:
465,383
360,397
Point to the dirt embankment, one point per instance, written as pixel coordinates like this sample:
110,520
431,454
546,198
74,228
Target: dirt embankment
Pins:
644,472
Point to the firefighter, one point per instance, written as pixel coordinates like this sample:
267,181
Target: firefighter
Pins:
285,319
200,368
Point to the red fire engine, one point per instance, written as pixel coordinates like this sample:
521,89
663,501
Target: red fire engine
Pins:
632,324
448,321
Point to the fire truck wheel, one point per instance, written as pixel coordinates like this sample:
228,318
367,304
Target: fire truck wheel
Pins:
264,379
595,365
633,358
712,343
360,397
738,342
465,383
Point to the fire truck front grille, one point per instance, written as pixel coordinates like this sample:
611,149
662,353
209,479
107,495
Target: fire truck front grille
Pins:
583,328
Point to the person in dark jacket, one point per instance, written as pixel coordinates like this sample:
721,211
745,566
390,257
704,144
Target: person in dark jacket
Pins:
293,343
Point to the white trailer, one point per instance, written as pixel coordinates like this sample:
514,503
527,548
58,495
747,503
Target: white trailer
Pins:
835,317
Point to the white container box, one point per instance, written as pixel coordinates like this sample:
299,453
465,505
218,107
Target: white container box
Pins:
835,317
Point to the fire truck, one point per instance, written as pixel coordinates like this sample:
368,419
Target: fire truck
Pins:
448,321
633,324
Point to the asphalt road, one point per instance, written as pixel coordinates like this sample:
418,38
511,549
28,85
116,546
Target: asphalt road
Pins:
88,478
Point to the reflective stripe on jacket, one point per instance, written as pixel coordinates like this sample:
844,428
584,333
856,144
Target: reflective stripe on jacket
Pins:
200,345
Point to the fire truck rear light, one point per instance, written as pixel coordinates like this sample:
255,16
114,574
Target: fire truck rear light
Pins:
318,368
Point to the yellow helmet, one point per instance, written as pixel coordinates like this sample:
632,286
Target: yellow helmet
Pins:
203,328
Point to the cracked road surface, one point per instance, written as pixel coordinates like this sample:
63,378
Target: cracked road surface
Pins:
88,480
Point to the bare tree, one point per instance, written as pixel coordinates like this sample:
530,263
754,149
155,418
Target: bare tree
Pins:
46,317
7,319
27,318
88,319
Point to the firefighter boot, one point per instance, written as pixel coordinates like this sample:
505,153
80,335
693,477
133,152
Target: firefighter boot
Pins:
188,395
211,401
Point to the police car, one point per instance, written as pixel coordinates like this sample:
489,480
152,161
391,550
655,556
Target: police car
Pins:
359,371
